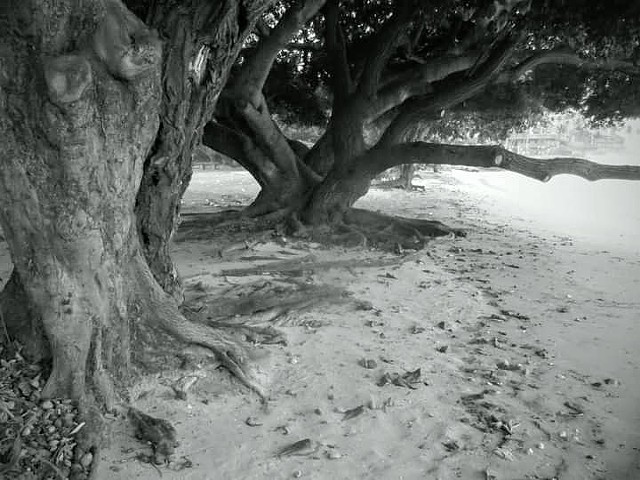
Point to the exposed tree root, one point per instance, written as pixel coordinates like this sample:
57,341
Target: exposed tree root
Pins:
163,314
309,264
246,307
204,226
228,348
232,325
371,229
235,324
389,232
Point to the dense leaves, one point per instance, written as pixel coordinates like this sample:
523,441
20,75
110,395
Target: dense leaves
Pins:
600,31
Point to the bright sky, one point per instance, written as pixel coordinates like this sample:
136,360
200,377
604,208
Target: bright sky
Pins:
606,211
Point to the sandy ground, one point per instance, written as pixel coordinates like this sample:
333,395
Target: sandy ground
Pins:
525,335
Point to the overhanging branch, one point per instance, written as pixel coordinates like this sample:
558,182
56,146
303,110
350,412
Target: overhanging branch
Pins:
305,47
563,56
262,28
571,58
491,156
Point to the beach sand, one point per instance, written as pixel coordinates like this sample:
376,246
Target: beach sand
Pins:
525,334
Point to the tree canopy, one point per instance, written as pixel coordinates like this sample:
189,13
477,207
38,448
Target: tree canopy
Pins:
579,56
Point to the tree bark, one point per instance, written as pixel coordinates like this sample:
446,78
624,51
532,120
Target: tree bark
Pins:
201,48
22,321
351,108
76,126
247,129
449,92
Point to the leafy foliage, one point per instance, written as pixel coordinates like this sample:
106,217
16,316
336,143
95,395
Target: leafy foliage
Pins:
594,31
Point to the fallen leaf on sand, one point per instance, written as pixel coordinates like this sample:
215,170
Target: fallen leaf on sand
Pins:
367,363
252,422
407,380
505,454
301,447
354,412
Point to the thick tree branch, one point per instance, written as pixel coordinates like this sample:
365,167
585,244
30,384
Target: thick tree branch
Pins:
268,136
488,156
562,56
430,69
255,70
263,153
417,82
342,82
452,92
305,47
240,148
224,140
383,46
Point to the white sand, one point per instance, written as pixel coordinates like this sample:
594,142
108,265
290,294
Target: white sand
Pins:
565,268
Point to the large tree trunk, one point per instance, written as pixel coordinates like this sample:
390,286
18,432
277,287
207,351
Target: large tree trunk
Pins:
199,53
76,128
333,196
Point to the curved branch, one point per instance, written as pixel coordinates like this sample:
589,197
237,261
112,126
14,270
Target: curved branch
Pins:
431,69
255,70
240,148
488,156
417,82
305,47
562,56
224,140
453,92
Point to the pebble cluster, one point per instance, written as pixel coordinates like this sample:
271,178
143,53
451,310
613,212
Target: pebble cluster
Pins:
37,436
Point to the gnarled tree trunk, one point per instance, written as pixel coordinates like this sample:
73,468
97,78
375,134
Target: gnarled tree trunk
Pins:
200,50
77,124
